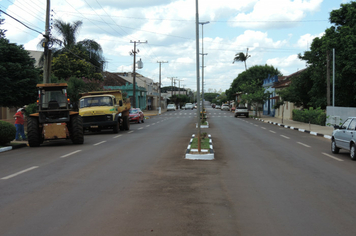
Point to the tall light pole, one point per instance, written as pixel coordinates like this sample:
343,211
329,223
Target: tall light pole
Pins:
202,53
159,96
47,51
197,70
134,70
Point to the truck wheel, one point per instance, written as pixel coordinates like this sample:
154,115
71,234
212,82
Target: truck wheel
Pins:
33,132
116,127
126,123
76,129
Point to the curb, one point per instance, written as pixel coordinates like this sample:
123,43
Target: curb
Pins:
210,153
4,149
301,130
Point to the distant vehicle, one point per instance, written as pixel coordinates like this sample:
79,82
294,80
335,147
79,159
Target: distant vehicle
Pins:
183,107
217,107
225,107
241,111
233,109
171,107
213,105
136,115
343,137
189,106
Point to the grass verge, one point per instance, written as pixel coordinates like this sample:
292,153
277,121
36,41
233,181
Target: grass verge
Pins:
204,143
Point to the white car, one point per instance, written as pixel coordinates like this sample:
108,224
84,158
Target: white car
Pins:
189,106
225,107
241,111
343,137
171,107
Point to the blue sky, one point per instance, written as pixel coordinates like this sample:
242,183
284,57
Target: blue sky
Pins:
275,31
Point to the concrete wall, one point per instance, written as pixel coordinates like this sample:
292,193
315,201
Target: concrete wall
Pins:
337,115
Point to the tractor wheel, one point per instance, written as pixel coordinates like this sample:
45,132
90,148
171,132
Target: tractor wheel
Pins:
33,132
76,129
126,123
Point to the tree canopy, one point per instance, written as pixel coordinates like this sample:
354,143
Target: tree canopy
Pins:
18,75
249,80
342,37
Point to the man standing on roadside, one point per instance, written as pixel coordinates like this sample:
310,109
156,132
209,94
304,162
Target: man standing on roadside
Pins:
19,125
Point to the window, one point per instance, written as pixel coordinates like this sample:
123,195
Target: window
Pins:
352,125
346,124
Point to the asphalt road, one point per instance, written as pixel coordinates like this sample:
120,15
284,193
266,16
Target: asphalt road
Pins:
265,180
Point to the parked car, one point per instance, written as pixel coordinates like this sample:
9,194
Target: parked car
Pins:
343,137
136,115
189,106
225,107
217,107
171,107
183,107
241,111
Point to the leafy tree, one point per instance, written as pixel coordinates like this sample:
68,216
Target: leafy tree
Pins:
241,57
254,94
210,96
253,76
18,75
340,36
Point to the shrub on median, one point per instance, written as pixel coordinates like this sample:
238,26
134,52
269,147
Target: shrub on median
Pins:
314,116
7,132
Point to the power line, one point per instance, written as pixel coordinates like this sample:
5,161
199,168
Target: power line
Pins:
21,23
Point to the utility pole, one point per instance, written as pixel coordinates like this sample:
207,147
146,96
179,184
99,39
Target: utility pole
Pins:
328,78
197,70
172,78
333,77
134,69
47,52
159,96
202,50
179,85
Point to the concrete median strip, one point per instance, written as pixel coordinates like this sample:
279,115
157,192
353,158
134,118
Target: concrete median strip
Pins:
206,154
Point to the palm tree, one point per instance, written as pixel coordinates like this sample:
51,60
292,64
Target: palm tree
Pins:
241,57
68,33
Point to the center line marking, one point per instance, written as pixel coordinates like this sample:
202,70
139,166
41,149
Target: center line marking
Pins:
140,128
263,128
130,132
272,131
99,143
118,136
335,158
285,137
303,144
147,125
70,153
20,172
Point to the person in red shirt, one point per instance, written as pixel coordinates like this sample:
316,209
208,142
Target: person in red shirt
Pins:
19,124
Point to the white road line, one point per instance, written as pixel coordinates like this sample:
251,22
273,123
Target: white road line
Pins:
335,158
99,143
256,125
272,131
303,144
20,172
147,125
263,128
130,132
71,153
117,136
285,137
140,128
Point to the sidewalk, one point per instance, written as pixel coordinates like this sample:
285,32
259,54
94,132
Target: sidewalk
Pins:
324,131
149,113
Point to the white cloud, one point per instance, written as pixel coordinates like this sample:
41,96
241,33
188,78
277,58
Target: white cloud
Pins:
269,14
305,40
287,65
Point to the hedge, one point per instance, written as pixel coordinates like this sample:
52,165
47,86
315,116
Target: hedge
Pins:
7,132
314,116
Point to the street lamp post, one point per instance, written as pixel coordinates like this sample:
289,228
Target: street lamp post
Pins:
202,50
